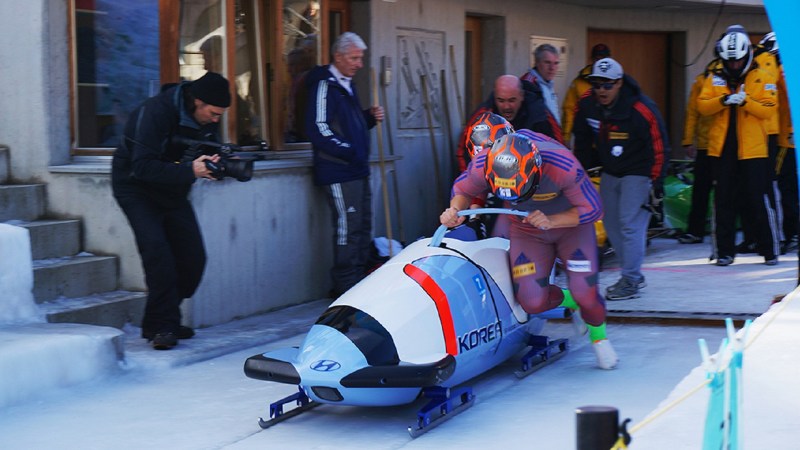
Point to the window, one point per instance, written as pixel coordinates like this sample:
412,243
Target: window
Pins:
124,51
116,65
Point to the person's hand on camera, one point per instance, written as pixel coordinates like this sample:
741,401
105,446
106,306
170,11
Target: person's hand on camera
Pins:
200,169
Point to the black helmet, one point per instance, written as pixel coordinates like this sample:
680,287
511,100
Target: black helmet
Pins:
513,168
770,42
484,131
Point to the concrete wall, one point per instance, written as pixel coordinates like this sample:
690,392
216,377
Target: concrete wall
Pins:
269,240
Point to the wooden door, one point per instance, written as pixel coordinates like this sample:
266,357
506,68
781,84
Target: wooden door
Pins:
644,56
473,75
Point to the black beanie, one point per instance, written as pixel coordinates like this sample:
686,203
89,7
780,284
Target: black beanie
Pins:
212,88
600,51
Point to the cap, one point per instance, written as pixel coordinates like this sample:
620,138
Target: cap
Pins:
600,51
212,88
607,68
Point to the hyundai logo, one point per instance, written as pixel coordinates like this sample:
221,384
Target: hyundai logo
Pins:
325,365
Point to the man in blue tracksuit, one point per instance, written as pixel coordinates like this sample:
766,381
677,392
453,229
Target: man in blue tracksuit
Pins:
338,129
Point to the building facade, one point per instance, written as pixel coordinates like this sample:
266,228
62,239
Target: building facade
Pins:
70,72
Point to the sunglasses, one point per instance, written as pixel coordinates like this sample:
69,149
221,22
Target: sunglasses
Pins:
608,85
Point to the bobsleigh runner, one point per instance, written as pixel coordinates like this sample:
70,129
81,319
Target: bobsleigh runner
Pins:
439,313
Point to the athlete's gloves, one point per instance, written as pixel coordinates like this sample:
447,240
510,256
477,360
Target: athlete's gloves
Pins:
735,99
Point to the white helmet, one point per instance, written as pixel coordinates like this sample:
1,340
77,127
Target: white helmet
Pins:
735,46
770,42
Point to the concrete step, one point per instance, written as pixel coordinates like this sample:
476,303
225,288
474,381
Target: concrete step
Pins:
112,309
76,276
22,201
34,361
4,164
53,238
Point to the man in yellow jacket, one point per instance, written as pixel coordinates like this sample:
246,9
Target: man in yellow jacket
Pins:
695,143
579,87
740,97
766,61
785,165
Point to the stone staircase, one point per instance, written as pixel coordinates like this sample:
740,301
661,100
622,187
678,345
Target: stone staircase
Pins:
70,286
76,292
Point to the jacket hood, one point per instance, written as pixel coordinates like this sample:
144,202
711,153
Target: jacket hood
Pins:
630,85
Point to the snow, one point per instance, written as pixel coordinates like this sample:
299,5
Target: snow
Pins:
16,276
196,396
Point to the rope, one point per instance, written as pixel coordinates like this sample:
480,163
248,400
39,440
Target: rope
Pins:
620,445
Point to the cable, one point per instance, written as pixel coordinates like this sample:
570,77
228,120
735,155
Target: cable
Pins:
708,38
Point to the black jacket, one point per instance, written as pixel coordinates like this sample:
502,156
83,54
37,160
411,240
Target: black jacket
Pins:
149,160
627,138
338,129
532,115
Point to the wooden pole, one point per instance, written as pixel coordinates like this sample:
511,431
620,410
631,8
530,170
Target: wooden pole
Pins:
383,83
425,101
382,164
449,131
459,102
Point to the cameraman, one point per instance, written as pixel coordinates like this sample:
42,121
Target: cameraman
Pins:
152,173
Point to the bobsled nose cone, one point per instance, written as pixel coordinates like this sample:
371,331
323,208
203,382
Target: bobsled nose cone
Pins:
326,356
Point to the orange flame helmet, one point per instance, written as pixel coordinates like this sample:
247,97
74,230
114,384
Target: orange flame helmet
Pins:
513,168
484,131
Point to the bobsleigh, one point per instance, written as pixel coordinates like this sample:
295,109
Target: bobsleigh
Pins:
437,314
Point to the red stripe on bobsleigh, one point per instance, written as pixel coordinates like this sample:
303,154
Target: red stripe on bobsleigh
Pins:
442,305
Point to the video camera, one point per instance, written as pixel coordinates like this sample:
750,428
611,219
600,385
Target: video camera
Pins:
232,158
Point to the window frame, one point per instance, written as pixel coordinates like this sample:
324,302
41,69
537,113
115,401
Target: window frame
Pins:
272,66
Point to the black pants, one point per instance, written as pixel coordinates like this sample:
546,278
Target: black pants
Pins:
351,213
742,186
173,257
748,220
787,184
701,191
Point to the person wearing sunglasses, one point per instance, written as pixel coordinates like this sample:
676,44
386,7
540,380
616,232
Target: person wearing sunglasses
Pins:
620,129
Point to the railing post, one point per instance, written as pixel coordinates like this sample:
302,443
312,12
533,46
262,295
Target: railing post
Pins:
597,427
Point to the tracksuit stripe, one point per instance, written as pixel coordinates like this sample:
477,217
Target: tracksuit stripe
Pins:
322,101
341,213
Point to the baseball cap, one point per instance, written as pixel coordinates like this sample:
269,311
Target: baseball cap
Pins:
600,51
607,68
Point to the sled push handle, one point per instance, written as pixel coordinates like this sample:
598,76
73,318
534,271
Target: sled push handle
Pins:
436,240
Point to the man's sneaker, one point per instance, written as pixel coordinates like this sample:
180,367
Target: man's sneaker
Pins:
182,333
789,245
606,356
725,260
771,261
745,248
164,341
624,289
689,238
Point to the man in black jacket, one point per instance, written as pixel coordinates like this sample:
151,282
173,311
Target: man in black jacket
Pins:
518,101
151,178
622,130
